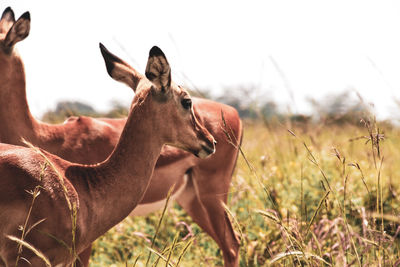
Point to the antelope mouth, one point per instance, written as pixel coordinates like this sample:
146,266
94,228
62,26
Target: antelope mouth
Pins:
205,151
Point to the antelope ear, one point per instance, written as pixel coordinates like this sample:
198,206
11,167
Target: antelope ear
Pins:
7,20
8,15
19,31
118,69
158,70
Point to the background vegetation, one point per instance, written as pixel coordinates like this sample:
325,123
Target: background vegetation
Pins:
309,190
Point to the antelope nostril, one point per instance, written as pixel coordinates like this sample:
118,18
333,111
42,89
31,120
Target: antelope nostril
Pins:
215,142
207,149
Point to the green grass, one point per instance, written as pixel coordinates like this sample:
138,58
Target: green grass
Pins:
312,196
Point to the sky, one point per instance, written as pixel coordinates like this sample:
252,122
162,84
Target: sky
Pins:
307,48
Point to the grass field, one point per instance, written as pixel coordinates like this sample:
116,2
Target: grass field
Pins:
316,195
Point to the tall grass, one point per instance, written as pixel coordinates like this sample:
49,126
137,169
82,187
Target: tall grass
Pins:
298,197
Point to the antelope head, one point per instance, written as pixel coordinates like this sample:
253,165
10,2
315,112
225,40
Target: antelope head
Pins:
175,118
11,31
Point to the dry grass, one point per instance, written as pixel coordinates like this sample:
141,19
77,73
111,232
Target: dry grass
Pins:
300,197
308,198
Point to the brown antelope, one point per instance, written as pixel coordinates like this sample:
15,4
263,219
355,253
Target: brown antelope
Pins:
161,113
202,185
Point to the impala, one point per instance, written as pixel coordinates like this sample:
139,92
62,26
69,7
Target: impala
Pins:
161,113
201,185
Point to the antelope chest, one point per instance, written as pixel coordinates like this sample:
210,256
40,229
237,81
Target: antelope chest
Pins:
144,209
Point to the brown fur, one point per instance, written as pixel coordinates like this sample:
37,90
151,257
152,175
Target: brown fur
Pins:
88,140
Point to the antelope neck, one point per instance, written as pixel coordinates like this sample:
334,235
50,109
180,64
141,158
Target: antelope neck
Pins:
14,109
113,188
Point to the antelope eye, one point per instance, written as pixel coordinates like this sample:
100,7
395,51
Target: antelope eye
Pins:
186,103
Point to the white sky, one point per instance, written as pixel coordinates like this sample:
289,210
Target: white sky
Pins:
321,46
